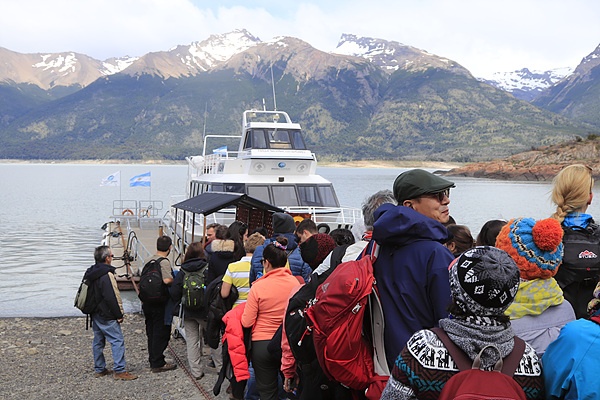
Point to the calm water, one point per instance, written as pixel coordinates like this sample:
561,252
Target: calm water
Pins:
51,214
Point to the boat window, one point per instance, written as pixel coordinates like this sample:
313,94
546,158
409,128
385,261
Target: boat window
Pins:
215,187
297,140
234,187
255,139
328,196
279,139
284,196
260,193
309,196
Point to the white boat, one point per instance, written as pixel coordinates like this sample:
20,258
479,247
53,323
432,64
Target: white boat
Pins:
271,164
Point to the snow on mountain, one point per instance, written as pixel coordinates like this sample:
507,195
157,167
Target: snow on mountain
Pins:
218,48
525,84
61,64
116,65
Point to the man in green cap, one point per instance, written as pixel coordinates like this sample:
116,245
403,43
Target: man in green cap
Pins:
412,268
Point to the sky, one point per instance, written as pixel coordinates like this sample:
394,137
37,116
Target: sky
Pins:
485,36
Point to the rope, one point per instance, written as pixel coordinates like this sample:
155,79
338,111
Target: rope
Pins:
182,365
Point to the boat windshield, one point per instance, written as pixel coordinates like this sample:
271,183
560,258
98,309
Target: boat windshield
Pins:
274,139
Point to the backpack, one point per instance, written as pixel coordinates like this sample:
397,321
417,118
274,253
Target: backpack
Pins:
336,317
86,298
152,288
472,382
193,289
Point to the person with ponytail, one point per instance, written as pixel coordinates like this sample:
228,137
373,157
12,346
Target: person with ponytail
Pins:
580,269
264,311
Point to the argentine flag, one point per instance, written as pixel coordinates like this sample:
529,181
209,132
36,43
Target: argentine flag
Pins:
140,180
112,180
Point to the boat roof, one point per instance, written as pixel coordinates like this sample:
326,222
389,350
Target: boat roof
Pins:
211,202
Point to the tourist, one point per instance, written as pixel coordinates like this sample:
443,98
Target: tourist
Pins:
264,310
305,229
483,282
194,320
460,240
238,273
539,310
158,320
570,361
489,231
342,237
238,232
107,319
580,270
283,225
412,267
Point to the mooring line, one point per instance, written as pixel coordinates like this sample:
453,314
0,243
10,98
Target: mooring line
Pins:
182,365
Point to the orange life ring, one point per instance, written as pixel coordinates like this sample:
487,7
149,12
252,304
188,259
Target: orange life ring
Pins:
127,211
298,219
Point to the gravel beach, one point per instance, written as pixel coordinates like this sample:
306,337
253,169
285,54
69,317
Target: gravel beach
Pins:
51,358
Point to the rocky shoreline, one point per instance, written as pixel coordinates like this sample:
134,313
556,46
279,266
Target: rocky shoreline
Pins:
52,358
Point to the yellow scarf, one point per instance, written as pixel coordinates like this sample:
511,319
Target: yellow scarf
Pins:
534,297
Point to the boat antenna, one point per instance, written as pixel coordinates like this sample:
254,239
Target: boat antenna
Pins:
204,127
273,85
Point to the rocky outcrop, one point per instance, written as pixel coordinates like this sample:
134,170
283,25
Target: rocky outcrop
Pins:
539,164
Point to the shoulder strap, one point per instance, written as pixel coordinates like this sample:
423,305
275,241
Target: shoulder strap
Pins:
510,362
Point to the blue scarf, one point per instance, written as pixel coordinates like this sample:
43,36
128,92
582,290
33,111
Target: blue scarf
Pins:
581,220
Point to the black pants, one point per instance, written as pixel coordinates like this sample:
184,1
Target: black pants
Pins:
266,370
157,332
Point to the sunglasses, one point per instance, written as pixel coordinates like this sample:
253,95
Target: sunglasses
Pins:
440,196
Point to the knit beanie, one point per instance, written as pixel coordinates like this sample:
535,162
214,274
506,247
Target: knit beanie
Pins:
283,223
484,281
316,248
536,247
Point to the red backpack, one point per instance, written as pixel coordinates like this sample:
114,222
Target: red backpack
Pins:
336,317
474,383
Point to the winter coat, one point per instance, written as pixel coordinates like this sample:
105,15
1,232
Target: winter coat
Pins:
176,289
222,256
234,336
103,277
216,307
297,265
571,362
411,273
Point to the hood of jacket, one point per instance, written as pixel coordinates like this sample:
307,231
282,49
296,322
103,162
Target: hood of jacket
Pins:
195,264
97,270
400,226
222,245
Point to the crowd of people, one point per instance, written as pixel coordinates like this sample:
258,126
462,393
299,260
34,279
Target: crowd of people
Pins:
441,289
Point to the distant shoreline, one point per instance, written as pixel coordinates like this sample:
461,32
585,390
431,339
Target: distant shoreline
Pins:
330,164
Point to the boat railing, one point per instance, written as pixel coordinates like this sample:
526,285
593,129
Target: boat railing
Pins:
133,209
335,217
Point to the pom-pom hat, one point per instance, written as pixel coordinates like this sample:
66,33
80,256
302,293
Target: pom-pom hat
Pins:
536,246
484,281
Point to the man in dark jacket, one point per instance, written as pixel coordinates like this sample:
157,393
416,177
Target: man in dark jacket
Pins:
283,225
107,318
412,268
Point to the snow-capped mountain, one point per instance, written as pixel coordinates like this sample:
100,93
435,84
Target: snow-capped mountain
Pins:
391,55
525,84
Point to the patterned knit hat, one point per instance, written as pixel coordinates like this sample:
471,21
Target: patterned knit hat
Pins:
316,248
536,247
484,281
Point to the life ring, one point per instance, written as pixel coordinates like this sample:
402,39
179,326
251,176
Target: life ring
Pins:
298,219
325,228
127,211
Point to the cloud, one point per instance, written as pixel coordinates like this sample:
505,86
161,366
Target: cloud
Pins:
484,36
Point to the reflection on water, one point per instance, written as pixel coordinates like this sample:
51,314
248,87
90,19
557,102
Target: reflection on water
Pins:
51,215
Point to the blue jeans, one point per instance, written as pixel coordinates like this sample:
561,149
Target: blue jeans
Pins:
108,330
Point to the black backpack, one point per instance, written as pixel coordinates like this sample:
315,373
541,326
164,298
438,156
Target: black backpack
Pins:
152,288
86,298
194,288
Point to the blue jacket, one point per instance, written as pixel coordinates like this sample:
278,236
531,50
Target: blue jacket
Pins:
411,273
571,362
297,265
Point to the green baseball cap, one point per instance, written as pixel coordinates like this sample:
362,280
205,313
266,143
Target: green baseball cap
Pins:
417,182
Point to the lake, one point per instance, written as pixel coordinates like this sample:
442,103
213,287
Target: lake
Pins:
51,214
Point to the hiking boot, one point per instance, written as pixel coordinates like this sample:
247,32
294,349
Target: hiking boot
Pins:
124,376
200,376
103,373
166,367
